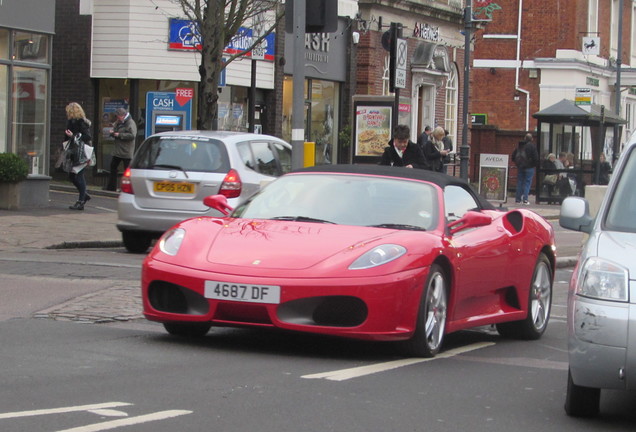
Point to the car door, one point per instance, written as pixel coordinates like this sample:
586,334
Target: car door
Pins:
481,256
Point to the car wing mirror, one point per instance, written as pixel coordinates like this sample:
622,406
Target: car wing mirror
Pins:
575,215
218,202
472,219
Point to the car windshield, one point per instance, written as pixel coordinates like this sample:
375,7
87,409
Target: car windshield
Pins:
182,153
346,200
622,207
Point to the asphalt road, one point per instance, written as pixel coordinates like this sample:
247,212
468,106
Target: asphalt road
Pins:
128,374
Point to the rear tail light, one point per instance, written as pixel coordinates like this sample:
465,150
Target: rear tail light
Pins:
231,186
126,185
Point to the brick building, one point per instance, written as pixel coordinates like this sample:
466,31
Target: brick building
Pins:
433,89
535,53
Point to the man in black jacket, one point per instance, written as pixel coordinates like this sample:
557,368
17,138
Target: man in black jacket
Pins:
526,158
402,151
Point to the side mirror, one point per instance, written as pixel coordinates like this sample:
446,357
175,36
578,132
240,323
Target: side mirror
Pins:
471,219
218,202
575,214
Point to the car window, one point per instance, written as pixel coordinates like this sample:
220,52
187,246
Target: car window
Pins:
284,157
265,158
622,206
259,156
187,154
246,155
347,200
457,201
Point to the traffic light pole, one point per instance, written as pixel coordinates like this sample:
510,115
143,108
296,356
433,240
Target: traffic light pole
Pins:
464,149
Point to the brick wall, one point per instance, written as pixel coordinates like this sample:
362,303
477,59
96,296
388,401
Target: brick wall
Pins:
547,25
70,74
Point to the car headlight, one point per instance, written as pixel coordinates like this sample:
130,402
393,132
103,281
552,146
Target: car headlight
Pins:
171,241
377,256
604,280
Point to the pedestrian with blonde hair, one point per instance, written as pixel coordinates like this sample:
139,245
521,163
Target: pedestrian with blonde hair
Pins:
434,151
78,129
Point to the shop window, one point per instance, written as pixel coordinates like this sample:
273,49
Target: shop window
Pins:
4,44
3,108
452,97
29,89
233,106
31,47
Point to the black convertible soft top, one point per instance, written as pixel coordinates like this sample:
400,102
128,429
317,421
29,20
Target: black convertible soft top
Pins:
440,179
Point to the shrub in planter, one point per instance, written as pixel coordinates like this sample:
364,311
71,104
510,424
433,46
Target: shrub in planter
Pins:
13,168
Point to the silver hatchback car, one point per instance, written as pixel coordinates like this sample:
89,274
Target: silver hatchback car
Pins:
602,294
172,172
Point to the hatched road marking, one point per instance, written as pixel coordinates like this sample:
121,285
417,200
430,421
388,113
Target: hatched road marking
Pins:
63,410
345,374
96,427
99,409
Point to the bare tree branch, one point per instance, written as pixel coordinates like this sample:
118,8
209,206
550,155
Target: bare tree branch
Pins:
218,23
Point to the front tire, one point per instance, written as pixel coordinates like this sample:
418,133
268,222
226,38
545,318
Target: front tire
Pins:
581,401
136,242
431,320
539,305
190,330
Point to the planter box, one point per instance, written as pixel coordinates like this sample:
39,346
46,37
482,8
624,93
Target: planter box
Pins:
29,193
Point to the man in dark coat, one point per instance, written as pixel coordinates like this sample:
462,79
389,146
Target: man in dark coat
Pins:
526,158
424,137
402,151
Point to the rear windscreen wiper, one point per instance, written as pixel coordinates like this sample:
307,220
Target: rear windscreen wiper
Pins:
176,167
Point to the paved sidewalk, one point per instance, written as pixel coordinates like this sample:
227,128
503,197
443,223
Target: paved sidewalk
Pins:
55,226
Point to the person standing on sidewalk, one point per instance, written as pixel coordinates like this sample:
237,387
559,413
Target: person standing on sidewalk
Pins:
434,152
124,132
77,125
525,157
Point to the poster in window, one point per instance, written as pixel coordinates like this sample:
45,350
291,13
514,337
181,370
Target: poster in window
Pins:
373,129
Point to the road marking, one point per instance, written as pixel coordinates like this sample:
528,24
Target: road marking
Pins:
105,209
109,413
96,427
63,410
345,374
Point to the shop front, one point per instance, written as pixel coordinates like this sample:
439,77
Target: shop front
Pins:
25,69
162,67
326,63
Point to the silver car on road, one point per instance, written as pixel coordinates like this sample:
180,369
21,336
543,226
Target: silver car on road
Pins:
602,294
172,172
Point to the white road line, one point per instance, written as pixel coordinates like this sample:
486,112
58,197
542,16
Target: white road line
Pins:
109,413
105,209
62,410
345,374
161,415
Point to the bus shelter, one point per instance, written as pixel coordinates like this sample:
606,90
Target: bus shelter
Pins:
577,135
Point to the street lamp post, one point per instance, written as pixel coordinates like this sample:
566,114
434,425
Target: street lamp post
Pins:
464,149
617,87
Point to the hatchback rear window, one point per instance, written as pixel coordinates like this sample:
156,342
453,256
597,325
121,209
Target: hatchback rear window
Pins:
182,153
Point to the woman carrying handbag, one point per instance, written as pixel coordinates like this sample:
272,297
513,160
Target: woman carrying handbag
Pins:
78,133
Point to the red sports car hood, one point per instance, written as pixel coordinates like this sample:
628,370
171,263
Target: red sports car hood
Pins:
270,244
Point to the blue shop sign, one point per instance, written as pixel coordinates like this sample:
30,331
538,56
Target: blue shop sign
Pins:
184,36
